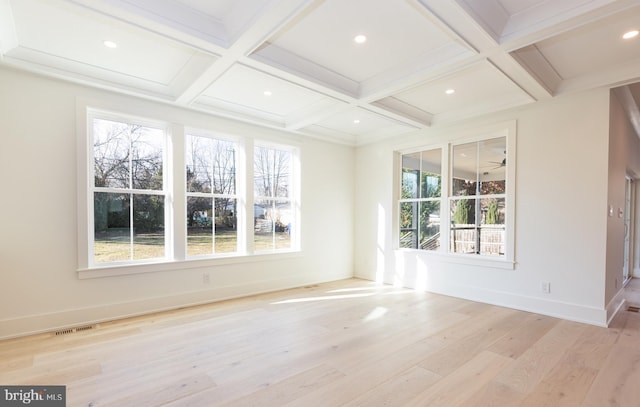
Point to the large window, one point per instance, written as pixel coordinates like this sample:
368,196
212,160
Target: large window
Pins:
128,191
158,196
457,198
273,210
212,204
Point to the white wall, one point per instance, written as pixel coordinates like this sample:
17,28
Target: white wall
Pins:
40,289
560,226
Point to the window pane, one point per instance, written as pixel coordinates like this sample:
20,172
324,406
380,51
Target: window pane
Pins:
112,231
431,170
226,232
430,225
493,165
224,167
147,147
492,232
199,160
199,226
421,174
273,224
410,171
271,172
463,228
465,169
148,227
263,225
282,218
111,148
408,225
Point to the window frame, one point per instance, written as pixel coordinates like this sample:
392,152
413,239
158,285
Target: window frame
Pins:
237,195
165,192
507,130
477,196
293,196
176,125
420,199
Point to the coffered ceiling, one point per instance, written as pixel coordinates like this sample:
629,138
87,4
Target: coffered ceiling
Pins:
295,64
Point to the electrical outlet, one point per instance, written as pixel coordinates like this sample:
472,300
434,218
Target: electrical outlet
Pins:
546,287
206,279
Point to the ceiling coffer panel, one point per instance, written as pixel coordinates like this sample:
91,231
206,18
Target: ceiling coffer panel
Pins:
295,65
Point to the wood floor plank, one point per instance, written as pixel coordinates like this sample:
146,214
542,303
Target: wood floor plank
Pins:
456,388
565,386
290,389
497,324
345,343
366,376
398,390
592,348
630,330
534,364
618,382
530,328
158,394
495,394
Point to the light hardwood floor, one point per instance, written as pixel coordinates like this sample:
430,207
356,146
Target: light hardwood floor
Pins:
347,343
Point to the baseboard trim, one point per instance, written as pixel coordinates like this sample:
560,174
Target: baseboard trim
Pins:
61,320
553,308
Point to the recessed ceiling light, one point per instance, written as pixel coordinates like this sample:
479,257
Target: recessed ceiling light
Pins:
110,44
360,39
267,93
450,91
630,34
356,121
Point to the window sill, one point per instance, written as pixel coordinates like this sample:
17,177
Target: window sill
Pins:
468,259
174,265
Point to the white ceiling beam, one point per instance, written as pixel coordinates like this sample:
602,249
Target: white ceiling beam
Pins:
266,25
539,81
168,14
288,62
402,111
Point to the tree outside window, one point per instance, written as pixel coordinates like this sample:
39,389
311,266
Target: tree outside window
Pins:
211,196
420,200
128,196
273,212
477,205
476,198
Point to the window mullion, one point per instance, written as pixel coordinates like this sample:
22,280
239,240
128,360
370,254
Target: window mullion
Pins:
177,186
248,207
131,209
445,200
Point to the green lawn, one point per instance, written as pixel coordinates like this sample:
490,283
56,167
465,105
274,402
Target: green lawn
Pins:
114,245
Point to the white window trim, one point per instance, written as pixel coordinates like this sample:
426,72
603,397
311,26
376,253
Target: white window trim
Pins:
294,194
240,163
166,191
176,126
507,261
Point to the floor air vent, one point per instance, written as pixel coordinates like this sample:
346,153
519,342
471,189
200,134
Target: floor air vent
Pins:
74,330
633,308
